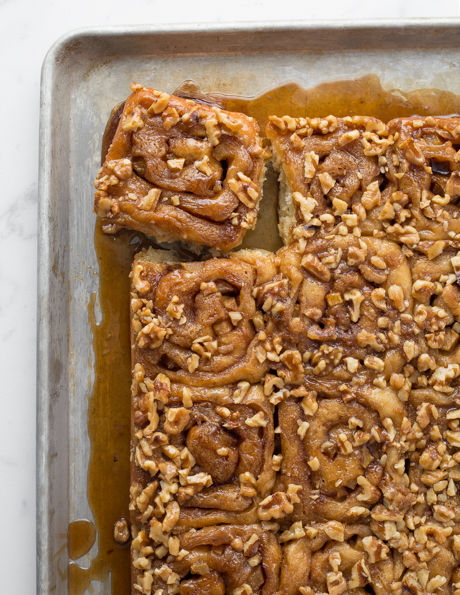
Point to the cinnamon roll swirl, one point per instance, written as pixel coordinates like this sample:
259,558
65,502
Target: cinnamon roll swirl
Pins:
209,448
214,560
330,172
177,169
195,321
333,558
343,451
421,201
344,304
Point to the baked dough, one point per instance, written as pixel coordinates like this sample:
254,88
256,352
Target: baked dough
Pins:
296,416
326,166
181,170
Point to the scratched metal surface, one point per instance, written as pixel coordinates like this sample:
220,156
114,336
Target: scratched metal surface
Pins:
84,75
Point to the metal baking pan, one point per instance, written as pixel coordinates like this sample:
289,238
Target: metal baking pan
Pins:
84,75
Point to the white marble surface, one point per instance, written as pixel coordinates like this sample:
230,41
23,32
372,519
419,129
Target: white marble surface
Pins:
27,30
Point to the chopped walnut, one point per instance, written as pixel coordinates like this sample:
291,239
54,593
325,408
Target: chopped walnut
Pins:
311,163
371,196
150,200
176,420
193,362
352,364
160,104
303,428
121,531
245,589
395,293
310,404
306,204
279,504
375,549
248,484
141,285
270,382
134,121
251,546
258,420
171,517
314,266
335,530
360,575
327,182
374,363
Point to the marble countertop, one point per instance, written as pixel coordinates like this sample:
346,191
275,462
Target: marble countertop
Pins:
27,29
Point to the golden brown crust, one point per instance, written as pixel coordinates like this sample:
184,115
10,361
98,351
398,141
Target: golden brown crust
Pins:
177,169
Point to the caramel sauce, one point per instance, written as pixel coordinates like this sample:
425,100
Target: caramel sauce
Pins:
364,96
109,414
109,405
81,536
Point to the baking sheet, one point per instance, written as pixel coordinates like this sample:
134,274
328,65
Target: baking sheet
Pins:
84,75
